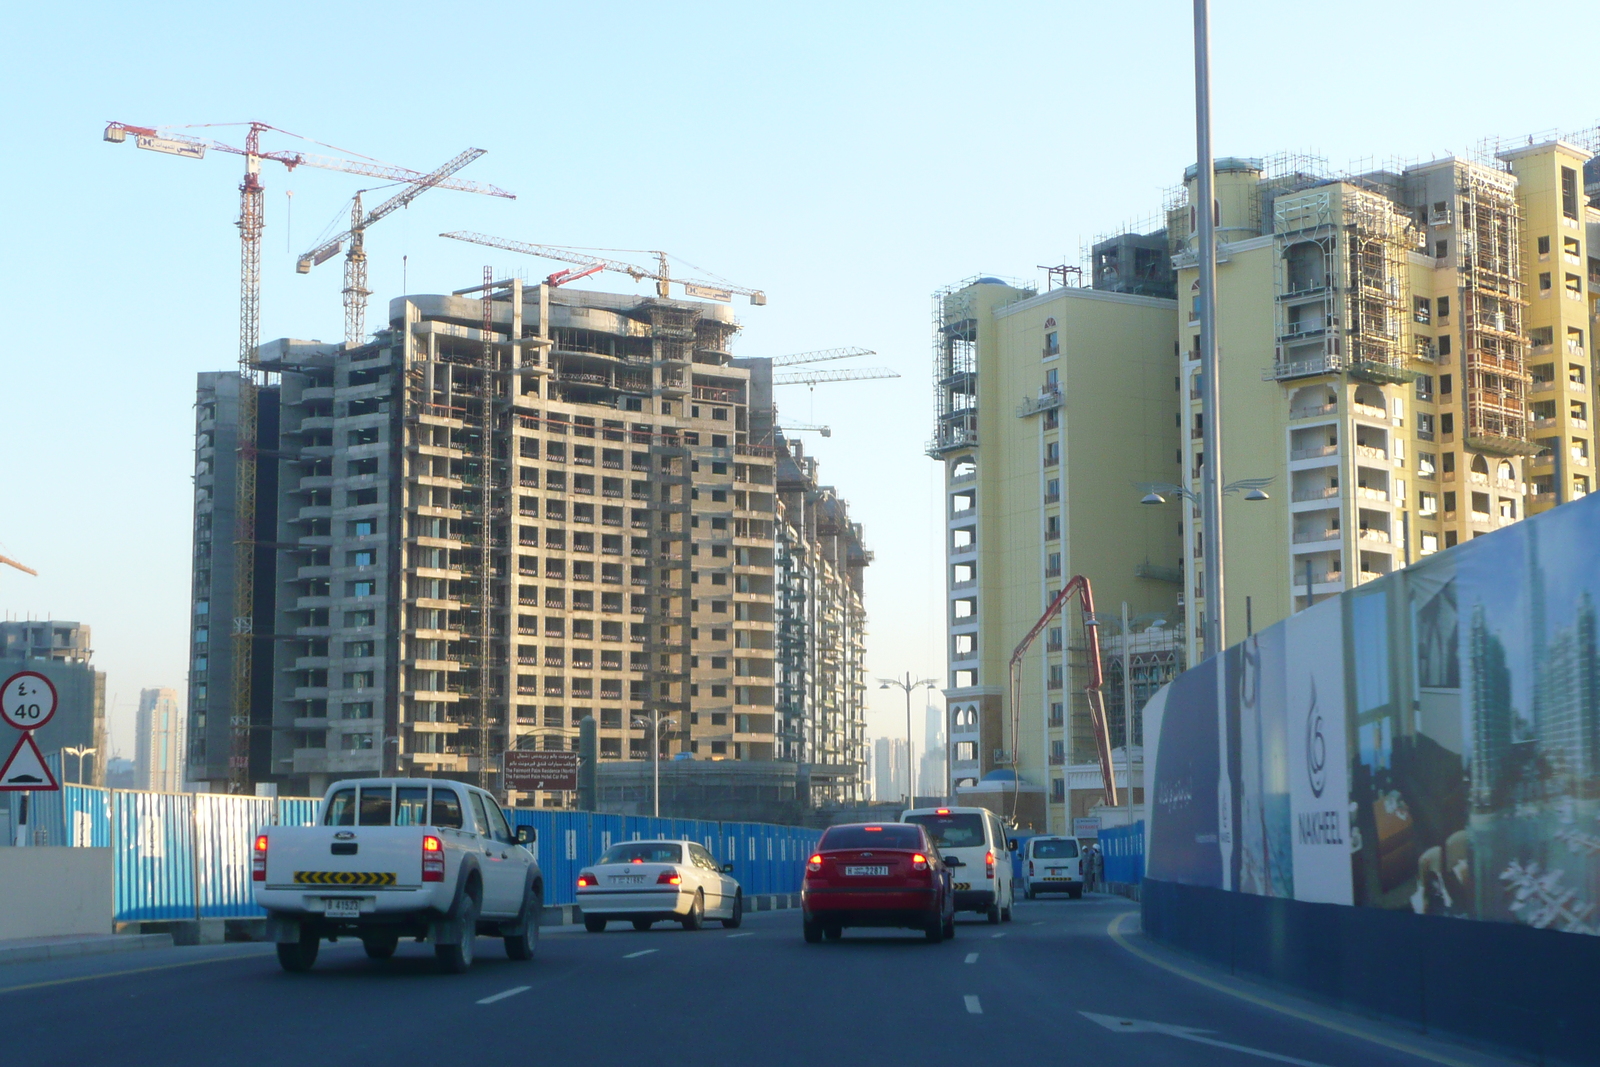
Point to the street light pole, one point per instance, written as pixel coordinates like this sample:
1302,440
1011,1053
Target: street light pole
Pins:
908,685
80,751
1210,393
655,722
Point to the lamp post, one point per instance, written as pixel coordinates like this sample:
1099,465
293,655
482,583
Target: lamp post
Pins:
1210,396
908,685
80,751
654,725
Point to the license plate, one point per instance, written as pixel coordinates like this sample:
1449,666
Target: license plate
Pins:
628,879
868,871
341,907
1055,870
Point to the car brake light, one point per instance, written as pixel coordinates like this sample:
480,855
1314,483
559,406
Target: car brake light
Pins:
814,863
873,829
1030,868
669,878
432,859
919,862
988,864
258,860
587,880
941,811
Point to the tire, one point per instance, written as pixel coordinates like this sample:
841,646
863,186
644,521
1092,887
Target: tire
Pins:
298,957
833,932
594,924
457,958
994,912
1031,893
1005,912
642,925
697,913
380,948
736,920
812,931
523,947
1076,892
950,927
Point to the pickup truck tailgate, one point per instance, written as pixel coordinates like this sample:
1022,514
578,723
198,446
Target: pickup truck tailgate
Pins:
344,856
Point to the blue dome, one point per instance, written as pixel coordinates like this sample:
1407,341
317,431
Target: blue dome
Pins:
1000,776
990,281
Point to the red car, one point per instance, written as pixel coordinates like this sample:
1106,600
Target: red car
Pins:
870,874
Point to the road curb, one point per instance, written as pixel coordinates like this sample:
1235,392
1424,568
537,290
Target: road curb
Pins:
34,950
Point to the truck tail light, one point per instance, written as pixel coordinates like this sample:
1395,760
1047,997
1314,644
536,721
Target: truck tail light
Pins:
669,878
1030,868
988,864
432,859
258,859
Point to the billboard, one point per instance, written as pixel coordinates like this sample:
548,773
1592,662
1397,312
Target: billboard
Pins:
1428,741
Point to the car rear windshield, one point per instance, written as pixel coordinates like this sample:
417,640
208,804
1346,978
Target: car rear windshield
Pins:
953,830
871,836
1055,850
643,852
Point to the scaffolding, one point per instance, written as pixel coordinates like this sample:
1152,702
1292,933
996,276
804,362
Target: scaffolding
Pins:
1493,345
955,370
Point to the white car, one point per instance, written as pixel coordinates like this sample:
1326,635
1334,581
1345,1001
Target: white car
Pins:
973,843
1053,865
646,882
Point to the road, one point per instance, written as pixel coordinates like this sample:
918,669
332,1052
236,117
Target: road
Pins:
1018,991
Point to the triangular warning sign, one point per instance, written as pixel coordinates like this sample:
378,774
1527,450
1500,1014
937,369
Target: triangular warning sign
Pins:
25,769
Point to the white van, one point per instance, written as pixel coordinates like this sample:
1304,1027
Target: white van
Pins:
1052,865
973,844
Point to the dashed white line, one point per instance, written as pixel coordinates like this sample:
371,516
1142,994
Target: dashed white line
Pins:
641,952
513,991
973,1007
1039,922
972,957
999,935
747,933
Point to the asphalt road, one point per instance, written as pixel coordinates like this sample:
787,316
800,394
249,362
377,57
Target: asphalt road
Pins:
1016,992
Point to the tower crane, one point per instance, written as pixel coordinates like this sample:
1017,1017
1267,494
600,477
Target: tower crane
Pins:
810,427
819,377
820,356
661,274
355,260
9,562
168,141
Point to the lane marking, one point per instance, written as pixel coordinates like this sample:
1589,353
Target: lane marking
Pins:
513,991
972,957
997,936
973,1007
747,933
1037,922
1188,1033
641,952
1114,929
133,970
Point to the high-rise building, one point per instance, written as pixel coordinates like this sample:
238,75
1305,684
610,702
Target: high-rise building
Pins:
1052,409
889,769
931,777
158,741
61,652
516,509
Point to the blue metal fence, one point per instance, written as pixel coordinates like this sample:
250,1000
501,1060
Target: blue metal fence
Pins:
1123,849
187,855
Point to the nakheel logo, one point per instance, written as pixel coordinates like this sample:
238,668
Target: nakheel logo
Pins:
1316,747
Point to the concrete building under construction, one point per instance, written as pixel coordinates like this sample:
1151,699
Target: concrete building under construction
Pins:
517,508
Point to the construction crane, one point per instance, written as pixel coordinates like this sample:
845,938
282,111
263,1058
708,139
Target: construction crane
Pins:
820,356
251,377
9,562
794,427
1097,710
355,260
819,377
661,274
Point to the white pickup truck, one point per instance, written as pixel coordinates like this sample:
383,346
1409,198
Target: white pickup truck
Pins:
394,858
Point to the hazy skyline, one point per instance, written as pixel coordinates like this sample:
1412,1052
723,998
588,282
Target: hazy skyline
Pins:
848,160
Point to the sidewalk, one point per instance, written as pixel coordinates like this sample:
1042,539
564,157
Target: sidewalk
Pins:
33,949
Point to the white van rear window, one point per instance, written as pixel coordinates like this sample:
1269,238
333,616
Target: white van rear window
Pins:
1055,849
953,830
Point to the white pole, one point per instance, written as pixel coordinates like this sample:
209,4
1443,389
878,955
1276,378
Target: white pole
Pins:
1127,708
1210,392
655,746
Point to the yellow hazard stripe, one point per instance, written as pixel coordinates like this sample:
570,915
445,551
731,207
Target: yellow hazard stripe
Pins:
344,878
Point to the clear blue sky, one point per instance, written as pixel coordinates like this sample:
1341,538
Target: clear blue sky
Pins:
847,158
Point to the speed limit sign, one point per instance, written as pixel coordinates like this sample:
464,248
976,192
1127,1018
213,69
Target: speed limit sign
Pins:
27,700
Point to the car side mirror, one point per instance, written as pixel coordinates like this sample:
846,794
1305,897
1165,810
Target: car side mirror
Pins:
727,868
527,835
1011,845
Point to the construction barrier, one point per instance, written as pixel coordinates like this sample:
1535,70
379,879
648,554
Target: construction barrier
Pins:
1123,850
187,855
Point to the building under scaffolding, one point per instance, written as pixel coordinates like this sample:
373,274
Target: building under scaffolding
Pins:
518,508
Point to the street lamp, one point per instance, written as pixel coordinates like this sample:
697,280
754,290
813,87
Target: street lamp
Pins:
80,751
654,725
1253,488
908,685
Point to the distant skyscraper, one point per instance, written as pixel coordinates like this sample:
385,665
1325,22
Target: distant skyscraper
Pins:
889,770
158,741
931,776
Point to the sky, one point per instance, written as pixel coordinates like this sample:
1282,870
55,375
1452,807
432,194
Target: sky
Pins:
847,159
